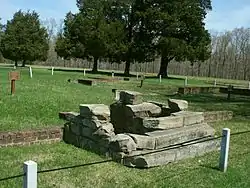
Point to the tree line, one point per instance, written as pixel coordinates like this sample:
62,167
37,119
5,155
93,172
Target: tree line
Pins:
116,31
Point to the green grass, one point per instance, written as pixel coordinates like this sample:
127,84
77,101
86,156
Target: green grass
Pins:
38,101
197,172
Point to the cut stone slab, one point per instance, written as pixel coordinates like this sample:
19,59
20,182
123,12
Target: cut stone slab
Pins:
125,117
68,116
163,123
143,142
165,109
130,97
117,95
100,111
180,135
75,128
148,158
117,116
122,143
142,110
88,82
177,105
91,123
190,118
106,130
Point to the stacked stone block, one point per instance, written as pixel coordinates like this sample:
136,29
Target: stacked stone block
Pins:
90,129
141,134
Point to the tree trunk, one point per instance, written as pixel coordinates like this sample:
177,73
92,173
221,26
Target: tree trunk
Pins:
199,68
95,67
16,64
127,68
164,66
23,64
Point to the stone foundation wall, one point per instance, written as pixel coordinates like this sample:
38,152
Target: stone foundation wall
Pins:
30,137
197,90
213,116
129,128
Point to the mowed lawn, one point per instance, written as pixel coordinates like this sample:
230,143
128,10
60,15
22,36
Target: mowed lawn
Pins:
38,101
197,172
36,105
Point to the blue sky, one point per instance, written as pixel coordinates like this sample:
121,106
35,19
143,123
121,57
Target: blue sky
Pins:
226,14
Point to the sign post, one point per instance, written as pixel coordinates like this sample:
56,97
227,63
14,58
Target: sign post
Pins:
13,76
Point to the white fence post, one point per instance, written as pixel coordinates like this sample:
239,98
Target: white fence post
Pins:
113,74
30,174
84,72
137,75
31,74
160,78
215,83
52,71
224,149
186,81
249,85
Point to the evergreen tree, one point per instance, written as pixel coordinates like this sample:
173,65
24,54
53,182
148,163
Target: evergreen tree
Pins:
66,46
90,34
24,39
138,40
179,30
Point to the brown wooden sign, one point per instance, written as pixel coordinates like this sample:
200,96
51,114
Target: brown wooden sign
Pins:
14,75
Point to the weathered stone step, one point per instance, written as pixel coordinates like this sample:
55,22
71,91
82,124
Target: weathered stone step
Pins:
164,138
176,120
149,158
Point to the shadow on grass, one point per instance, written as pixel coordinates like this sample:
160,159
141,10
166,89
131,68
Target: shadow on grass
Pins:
240,105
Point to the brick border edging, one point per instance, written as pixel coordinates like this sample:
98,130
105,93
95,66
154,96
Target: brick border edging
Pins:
20,138
52,135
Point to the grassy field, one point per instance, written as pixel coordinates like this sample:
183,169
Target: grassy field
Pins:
38,100
198,172
36,105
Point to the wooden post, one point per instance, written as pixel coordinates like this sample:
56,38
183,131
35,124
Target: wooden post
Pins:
13,87
224,149
13,76
30,177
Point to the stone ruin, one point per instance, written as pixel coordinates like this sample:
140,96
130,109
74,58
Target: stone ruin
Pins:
140,134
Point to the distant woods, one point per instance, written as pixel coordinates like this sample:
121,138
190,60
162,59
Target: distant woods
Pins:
230,59
130,36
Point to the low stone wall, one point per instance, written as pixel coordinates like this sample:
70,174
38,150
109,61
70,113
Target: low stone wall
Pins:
236,91
197,90
213,116
136,133
30,137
